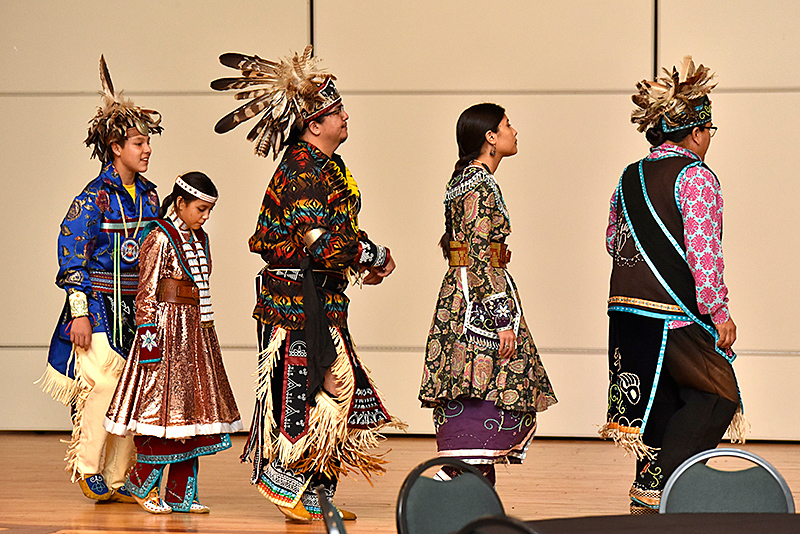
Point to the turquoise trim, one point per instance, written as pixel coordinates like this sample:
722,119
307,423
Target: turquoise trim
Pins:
178,249
658,220
182,457
154,480
657,376
665,156
712,331
649,313
188,494
150,361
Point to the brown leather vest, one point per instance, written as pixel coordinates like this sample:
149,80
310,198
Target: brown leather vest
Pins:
633,284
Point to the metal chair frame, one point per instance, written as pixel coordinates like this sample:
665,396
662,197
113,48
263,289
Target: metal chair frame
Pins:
411,478
725,452
330,515
506,523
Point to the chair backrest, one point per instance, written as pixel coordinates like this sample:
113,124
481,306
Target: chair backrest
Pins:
696,487
333,521
428,506
500,524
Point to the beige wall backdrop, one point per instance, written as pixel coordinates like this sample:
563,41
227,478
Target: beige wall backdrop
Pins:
563,70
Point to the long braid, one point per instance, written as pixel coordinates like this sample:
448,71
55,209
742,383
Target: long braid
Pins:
165,204
447,236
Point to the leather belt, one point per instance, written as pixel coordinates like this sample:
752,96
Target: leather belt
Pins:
330,280
459,254
178,291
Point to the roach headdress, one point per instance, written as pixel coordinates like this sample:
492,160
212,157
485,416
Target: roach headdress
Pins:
117,119
295,91
677,100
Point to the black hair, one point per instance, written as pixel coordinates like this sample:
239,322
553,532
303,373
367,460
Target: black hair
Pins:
657,137
196,179
297,131
114,137
471,128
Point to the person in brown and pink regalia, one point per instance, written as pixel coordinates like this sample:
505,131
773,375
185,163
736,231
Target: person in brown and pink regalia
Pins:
672,390
482,376
173,394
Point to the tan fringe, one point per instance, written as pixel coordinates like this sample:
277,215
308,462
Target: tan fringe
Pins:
263,385
327,424
61,387
631,443
355,277
83,391
116,364
739,427
329,445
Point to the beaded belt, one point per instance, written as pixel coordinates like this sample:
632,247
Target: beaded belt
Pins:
103,281
459,254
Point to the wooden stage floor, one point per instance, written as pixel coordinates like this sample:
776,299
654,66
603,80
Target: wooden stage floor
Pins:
560,478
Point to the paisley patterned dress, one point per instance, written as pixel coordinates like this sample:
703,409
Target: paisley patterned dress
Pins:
462,364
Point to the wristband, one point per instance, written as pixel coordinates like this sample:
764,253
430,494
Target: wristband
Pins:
78,304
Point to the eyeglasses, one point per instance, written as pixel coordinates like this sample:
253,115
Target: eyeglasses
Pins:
711,130
336,111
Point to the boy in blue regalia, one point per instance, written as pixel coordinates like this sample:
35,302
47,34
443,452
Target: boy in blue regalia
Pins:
99,271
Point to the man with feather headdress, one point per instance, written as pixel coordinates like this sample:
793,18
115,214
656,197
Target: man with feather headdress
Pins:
99,270
317,412
672,390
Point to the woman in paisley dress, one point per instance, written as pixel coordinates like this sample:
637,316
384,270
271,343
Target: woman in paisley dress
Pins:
483,376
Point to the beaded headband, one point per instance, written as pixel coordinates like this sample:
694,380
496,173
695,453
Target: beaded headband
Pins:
195,192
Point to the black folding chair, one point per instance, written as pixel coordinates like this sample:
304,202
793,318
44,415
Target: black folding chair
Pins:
429,506
333,521
696,487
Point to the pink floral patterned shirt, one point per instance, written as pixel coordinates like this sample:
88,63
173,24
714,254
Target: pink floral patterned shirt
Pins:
699,196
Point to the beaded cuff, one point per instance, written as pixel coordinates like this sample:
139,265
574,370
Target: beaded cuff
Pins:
78,304
372,254
149,351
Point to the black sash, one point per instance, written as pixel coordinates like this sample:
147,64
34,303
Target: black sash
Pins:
671,268
319,345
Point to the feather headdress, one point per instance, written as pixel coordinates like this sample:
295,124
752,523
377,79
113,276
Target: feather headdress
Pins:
678,100
294,90
115,117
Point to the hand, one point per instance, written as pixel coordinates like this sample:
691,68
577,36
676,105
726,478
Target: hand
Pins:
80,332
377,274
727,334
387,269
372,278
508,343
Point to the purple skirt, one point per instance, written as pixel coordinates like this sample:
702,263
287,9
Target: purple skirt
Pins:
478,432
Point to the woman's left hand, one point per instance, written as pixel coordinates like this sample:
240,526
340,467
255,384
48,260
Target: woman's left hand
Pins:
508,343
